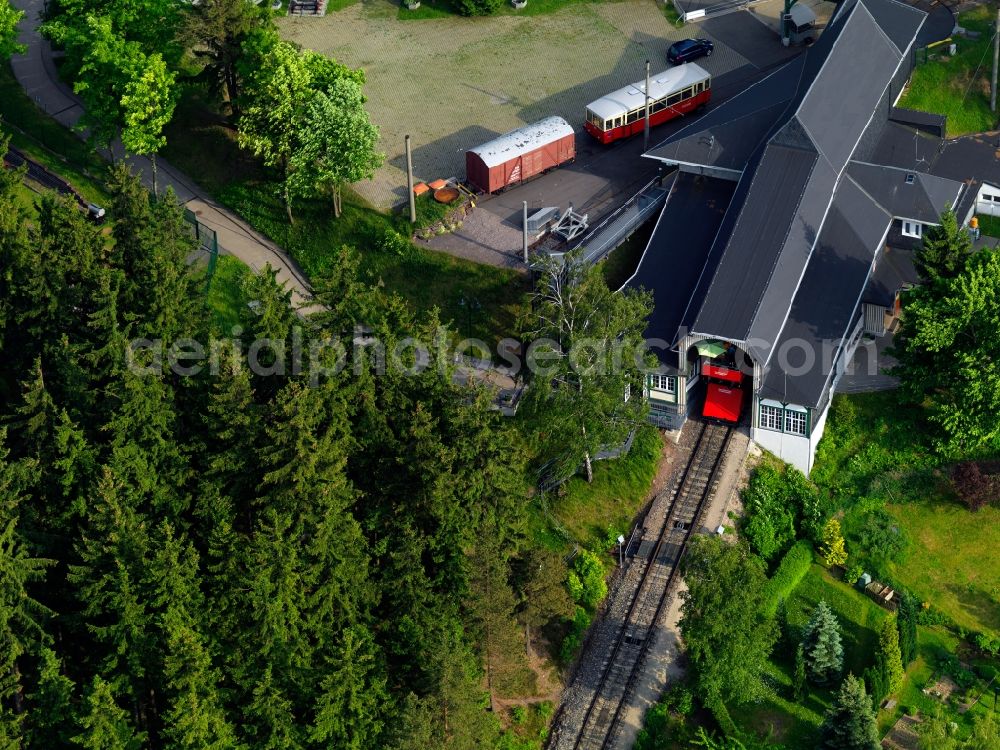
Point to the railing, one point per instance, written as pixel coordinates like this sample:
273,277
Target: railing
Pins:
643,203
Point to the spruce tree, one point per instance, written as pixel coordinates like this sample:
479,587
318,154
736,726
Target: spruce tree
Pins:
821,642
194,716
51,717
944,250
800,688
491,604
906,619
352,695
850,723
104,724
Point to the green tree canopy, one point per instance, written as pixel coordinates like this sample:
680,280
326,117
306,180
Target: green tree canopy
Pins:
727,642
589,374
948,352
9,18
850,722
822,645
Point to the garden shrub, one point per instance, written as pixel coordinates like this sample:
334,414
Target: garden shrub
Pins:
853,574
478,7
793,568
574,637
881,537
586,580
780,506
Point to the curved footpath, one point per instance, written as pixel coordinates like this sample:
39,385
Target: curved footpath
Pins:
37,74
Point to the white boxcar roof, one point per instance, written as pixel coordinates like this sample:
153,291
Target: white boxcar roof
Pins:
633,96
523,140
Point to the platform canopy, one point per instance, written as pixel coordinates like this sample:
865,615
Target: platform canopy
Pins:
710,349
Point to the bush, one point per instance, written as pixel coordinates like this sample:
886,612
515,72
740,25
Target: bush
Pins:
793,568
971,485
781,506
574,637
853,574
881,538
478,7
586,580
393,243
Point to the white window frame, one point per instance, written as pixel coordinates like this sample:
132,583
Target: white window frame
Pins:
913,229
772,418
796,422
664,383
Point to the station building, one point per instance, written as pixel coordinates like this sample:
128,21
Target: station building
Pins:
791,223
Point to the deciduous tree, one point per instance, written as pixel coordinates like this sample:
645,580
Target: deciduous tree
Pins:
727,642
9,18
947,352
833,549
336,143
589,364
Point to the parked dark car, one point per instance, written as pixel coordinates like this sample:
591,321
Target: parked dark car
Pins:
687,50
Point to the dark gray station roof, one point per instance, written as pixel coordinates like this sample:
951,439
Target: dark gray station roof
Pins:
906,194
827,298
789,141
788,194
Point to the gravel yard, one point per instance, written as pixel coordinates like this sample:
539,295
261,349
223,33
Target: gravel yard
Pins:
454,82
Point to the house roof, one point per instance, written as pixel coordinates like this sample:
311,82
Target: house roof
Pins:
827,297
907,194
895,271
727,135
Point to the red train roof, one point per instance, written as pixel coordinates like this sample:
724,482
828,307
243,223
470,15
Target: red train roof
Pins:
723,403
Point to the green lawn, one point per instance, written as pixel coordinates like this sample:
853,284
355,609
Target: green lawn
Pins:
225,292
583,513
445,8
480,301
49,143
957,86
877,448
953,560
791,723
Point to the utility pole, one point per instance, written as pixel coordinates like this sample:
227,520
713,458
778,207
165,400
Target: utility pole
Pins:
409,182
645,130
524,228
996,62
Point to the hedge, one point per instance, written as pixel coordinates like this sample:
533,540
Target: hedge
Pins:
721,715
793,568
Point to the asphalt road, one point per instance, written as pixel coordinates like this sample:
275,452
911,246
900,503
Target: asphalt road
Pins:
603,177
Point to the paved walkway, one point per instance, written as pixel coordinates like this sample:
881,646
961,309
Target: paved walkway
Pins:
36,72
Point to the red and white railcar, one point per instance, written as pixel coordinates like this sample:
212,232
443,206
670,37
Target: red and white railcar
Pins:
672,93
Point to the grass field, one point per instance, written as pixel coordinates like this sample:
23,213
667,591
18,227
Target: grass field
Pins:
957,86
583,513
878,448
225,292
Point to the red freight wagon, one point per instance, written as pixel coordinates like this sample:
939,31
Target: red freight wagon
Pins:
520,154
672,93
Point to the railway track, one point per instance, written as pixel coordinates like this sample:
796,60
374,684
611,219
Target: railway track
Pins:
659,557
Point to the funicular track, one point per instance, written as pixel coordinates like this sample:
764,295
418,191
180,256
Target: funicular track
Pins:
634,638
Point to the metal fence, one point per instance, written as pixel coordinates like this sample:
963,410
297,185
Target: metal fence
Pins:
208,241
